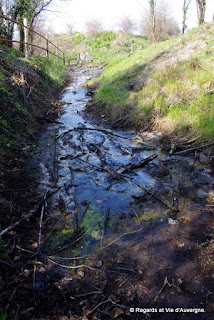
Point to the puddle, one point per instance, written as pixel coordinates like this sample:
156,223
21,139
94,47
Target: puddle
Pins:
87,204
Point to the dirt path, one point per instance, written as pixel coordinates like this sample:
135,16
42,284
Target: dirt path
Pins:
120,225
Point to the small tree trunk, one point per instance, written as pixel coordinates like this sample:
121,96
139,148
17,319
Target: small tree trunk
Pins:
185,10
201,8
26,33
184,17
57,52
47,49
31,35
22,38
152,10
10,29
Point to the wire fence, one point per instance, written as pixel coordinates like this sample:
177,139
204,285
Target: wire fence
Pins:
27,43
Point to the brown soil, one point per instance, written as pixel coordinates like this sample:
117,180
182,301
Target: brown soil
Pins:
153,267
150,266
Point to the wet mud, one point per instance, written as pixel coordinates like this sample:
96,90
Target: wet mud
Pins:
119,232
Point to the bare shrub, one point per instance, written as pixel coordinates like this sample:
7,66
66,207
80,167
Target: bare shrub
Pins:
43,30
93,27
127,25
165,25
70,29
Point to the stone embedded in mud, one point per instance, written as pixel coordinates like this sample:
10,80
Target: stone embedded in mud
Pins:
211,194
84,57
202,180
203,159
172,221
98,263
42,270
158,170
201,194
165,141
184,219
62,172
180,245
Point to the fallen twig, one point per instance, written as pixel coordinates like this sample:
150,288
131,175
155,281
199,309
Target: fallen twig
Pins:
40,221
80,237
88,294
11,227
105,131
8,264
195,148
62,258
28,216
166,282
122,235
157,197
40,237
91,164
76,211
70,267
55,176
99,304
140,164
94,129
25,250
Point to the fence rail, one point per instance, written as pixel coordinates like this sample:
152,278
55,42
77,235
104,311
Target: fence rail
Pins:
27,42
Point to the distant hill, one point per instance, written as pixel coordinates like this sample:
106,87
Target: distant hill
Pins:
106,44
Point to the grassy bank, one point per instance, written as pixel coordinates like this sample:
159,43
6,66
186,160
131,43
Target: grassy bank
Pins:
105,44
27,90
169,85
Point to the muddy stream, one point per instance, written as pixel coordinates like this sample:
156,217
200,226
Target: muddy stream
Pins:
101,195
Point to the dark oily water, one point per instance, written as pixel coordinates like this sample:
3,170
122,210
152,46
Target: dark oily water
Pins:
91,198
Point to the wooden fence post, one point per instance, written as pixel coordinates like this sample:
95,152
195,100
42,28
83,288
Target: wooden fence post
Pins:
26,33
57,52
47,48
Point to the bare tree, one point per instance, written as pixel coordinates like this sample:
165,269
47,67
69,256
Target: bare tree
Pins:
93,27
165,25
127,25
201,8
7,8
30,9
41,27
70,29
152,5
186,4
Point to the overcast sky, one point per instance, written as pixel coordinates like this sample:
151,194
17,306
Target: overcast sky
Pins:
110,12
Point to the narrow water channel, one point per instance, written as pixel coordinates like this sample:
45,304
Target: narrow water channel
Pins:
91,197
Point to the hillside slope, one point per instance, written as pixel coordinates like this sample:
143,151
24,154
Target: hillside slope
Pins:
27,90
105,44
168,85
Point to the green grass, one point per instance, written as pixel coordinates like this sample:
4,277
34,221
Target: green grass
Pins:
119,71
178,98
105,44
175,97
52,72
3,316
25,88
